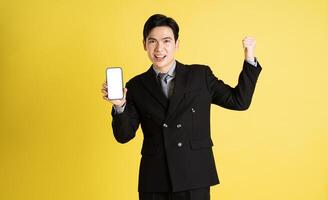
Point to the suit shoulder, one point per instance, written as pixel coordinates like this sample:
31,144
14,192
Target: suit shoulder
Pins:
135,79
198,67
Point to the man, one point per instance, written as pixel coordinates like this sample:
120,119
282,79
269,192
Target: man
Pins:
172,103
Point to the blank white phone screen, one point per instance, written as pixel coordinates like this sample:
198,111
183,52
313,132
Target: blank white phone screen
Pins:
114,82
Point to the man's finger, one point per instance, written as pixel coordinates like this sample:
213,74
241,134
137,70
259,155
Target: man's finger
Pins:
106,98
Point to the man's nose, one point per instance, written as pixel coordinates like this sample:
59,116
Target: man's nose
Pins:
159,46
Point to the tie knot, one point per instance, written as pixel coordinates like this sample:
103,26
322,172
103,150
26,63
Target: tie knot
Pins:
162,76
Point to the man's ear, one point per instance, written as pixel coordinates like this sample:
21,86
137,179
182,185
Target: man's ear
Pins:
144,45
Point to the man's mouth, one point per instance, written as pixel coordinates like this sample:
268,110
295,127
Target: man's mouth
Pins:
159,57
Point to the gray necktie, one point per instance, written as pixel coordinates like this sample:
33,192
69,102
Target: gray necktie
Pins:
162,79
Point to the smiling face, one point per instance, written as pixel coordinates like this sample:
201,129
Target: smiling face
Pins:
161,47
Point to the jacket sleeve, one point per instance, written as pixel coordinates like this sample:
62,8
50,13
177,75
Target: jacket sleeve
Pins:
239,97
125,124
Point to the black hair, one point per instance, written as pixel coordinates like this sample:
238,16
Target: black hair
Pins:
160,20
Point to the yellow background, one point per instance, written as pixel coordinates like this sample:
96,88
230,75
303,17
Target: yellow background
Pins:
56,141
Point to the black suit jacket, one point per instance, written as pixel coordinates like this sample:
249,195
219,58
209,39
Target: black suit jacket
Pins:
177,147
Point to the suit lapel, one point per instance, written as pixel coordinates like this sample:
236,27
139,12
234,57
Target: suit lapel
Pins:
150,83
181,80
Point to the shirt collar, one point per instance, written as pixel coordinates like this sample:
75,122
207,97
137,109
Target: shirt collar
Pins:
171,71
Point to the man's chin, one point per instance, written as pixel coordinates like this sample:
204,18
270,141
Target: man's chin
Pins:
160,65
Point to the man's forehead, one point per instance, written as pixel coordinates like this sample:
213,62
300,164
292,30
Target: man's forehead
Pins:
161,32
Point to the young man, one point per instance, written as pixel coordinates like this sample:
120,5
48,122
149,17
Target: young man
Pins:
171,101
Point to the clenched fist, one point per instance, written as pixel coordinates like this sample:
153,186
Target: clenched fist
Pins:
249,47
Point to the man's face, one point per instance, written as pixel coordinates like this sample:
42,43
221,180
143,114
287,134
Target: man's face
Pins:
161,47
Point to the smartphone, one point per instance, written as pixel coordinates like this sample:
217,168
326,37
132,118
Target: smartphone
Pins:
114,76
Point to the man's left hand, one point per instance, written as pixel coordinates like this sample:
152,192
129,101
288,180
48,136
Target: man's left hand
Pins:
249,47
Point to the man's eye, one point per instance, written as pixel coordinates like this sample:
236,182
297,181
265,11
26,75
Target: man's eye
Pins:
166,41
151,41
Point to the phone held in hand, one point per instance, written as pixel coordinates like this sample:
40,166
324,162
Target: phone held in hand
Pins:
114,76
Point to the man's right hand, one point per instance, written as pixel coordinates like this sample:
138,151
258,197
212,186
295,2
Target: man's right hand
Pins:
117,102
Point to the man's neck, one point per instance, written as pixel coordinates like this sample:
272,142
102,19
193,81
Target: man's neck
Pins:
164,69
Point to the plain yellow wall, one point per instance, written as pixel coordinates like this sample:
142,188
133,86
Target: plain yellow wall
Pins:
56,141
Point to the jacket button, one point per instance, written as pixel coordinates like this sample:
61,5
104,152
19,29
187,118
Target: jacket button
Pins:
180,144
179,125
193,110
165,125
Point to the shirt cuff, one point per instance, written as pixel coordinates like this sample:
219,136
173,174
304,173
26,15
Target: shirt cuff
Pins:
119,109
252,62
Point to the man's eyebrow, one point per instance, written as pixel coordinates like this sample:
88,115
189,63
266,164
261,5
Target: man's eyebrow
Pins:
165,38
150,38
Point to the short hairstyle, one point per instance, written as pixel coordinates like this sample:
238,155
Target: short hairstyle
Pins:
160,20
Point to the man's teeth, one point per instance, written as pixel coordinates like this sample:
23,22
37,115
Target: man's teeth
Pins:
159,56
